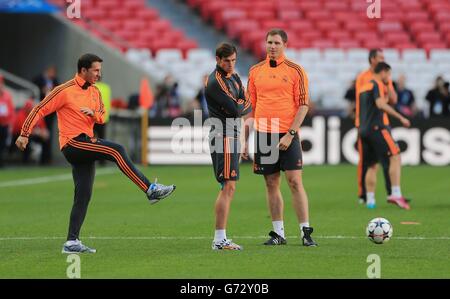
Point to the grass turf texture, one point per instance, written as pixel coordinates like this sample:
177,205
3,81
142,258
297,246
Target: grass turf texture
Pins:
172,239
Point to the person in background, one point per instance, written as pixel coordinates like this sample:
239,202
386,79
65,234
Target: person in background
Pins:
439,99
6,117
40,133
200,100
46,82
350,96
167,99
406,103
100,129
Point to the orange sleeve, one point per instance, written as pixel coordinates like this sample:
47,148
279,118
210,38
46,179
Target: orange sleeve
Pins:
251,89
301,89
99,112
358,85
391,85
49,104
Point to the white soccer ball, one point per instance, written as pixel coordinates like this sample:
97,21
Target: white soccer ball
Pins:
379,230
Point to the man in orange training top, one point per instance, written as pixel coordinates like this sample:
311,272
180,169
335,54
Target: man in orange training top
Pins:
376,142
78,106
278,89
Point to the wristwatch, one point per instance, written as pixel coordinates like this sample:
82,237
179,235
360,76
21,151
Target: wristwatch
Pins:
292,132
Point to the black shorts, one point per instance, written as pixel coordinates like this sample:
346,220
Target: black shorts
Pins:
269,159
225,157
378,146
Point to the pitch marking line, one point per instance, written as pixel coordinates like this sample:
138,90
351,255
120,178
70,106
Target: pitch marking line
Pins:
50,179
203,238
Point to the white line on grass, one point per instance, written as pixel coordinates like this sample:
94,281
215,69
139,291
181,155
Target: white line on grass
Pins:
203,238
50,179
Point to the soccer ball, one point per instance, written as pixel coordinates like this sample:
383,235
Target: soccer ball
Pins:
379,230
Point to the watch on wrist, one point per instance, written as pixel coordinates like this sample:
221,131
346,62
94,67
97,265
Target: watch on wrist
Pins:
292,132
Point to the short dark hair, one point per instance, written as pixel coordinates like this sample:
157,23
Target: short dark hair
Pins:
279,32
382,66
86,60
373,53
225,50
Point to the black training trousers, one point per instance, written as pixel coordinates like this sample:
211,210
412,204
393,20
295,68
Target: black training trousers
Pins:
82,152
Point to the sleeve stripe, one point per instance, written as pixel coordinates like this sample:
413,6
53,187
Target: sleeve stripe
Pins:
36,109
303,96
223,86
101,108
247,104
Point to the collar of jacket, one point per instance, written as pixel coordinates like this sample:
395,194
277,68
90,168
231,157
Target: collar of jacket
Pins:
279,61
221,71
81,82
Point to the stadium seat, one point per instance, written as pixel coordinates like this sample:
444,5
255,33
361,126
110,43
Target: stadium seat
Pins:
334,55
357,55
312,55
199,55
168,56
439,55
414,55
391,55
291,54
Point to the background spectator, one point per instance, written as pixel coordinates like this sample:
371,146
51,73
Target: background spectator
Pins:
46,82
6,117
167,102
406,104
100,129
199,102
350,96
39,135
105,91
439,98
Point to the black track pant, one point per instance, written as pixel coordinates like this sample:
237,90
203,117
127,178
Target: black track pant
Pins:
82,152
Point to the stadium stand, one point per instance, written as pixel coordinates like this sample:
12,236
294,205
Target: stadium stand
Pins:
329,38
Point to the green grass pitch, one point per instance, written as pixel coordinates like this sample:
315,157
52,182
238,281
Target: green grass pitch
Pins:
172,239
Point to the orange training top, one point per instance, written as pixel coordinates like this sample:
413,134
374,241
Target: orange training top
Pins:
276,93
67,99
362,79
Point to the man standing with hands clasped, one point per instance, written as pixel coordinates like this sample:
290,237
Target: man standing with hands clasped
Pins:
278,90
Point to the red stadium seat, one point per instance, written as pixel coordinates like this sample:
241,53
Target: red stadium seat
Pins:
147,14
323,44
119,14
225,16
270,24
393,38
134,24
318,15
336,5
390,27
300,25
348,44
234,28
325,26
310,35
134,4
185,46
337,35
309,5
403,46
417,27
261,15
444,27
439,45
287,15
